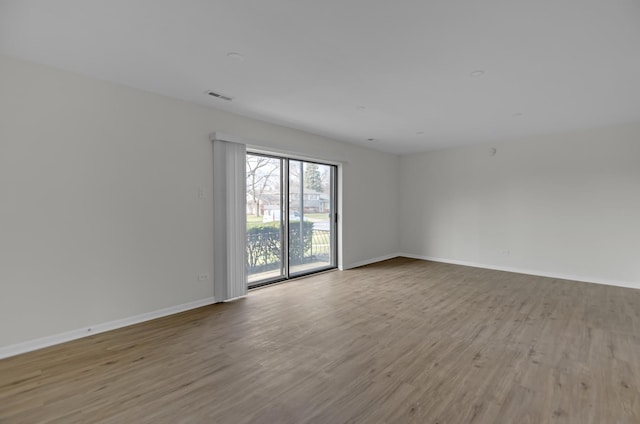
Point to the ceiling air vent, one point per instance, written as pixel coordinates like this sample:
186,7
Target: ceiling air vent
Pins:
218,95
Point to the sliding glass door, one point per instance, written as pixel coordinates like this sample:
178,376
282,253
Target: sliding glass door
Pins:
311,217
265,225
291,218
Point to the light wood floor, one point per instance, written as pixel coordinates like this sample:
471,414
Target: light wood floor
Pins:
402,341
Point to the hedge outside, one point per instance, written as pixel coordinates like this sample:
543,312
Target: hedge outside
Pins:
264,245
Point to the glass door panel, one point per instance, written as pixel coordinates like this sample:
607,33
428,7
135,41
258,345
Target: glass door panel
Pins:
311,217
291,216
265,224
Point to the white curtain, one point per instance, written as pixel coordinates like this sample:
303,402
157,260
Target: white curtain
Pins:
229,219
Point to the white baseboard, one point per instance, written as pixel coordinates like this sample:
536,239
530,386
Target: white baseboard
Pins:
371,261
47,341
526,271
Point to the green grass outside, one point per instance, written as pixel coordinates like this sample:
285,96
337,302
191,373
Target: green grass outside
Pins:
256,221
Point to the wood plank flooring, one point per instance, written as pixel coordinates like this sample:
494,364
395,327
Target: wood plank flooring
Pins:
401,341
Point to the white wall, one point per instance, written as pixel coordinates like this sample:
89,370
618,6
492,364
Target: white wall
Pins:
100,217
559,205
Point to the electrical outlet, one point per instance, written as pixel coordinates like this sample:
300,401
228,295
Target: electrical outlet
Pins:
203,277
201,193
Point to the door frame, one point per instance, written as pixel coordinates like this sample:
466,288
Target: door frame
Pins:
335,174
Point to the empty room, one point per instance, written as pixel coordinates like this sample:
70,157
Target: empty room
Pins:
282,211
